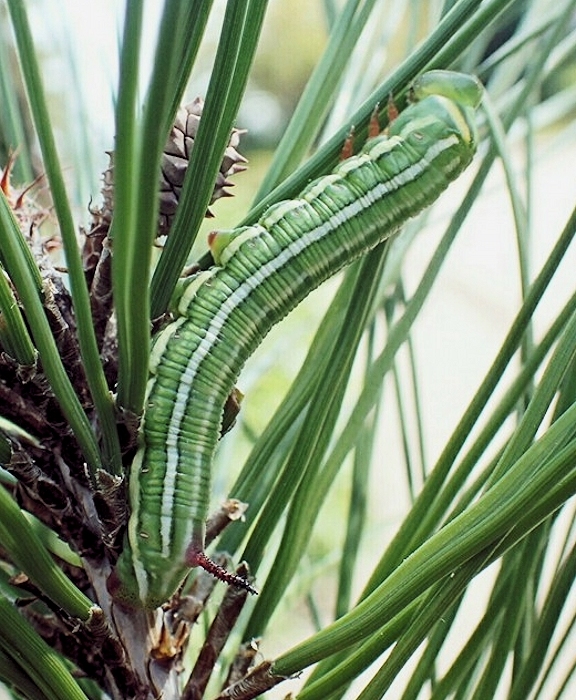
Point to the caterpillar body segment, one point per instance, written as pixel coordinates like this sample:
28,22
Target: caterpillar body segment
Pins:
262,272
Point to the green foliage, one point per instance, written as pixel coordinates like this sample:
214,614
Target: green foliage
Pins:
499,493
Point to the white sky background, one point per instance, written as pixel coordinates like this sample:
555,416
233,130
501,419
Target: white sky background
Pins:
90,30
84,87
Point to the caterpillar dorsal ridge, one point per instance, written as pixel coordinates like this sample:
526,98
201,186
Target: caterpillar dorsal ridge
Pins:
262,272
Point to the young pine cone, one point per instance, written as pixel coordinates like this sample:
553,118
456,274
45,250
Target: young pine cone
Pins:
174,163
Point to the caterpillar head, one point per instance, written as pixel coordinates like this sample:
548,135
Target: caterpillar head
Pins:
450,97
464,89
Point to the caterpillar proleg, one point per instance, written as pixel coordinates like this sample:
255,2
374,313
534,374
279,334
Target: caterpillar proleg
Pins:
262,272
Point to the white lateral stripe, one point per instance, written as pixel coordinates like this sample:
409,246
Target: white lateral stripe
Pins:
237,241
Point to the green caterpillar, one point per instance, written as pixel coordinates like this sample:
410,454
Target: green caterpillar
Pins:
262,272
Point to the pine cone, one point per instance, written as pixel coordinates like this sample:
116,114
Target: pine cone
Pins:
96,252
175,162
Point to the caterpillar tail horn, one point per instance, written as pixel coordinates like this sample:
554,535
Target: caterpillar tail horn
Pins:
198,557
